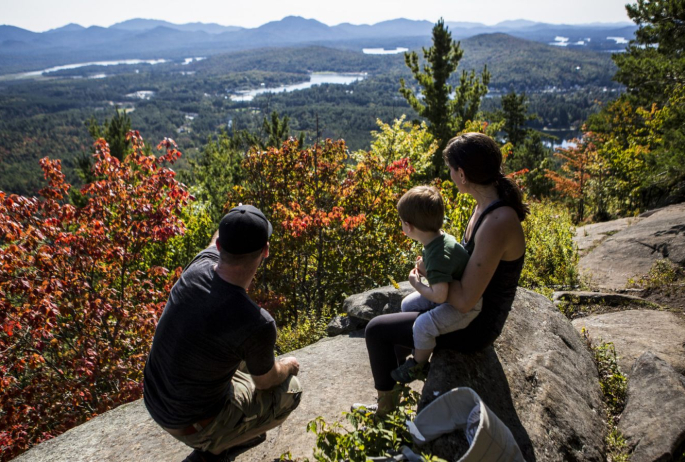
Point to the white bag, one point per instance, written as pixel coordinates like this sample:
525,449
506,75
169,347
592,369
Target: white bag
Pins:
461,408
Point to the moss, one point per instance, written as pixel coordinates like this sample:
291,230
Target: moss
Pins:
614,386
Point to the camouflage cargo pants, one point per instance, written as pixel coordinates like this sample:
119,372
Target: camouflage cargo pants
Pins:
247,413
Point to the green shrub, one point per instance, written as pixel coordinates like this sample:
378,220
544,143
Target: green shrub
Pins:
304,329
662,273
551,254
180,250
365,436
458,208
614,387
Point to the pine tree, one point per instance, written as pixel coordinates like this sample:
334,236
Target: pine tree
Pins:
114,132
654,63
446,108
515,113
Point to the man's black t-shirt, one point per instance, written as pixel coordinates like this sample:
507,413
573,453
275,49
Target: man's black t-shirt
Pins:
208,327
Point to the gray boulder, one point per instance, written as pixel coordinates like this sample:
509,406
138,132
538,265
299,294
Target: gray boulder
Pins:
653,421
334,373
635,331
590,236
540,380
631,252
122,434
372,303
344,325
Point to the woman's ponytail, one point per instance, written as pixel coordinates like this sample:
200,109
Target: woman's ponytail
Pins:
509,192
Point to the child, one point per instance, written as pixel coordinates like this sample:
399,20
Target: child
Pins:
422,212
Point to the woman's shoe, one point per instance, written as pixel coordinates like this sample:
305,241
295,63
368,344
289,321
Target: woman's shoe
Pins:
409,371
362,407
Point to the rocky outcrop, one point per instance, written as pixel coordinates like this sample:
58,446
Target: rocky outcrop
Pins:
343,324
540,380
635,331
630,252
653,421
590,236
126,433
334,373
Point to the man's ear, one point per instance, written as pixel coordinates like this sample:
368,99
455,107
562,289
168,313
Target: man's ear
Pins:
218,246
266,250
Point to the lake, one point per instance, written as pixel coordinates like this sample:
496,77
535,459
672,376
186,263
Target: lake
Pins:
383,51
314,79
35,74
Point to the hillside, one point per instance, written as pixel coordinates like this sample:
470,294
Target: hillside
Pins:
532,66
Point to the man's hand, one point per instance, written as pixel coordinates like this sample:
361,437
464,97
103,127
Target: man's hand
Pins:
291,363
421,266
282,369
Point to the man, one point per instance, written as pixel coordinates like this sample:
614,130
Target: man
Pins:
211,379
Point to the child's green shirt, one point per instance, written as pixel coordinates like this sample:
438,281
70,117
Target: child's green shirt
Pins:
445,259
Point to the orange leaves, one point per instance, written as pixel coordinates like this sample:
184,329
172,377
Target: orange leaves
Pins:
333,216
78,297
351,222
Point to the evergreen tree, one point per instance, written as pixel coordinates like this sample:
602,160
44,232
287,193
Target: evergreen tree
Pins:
446,108
215,171
515,114
273,133
114,132
532,155
654,63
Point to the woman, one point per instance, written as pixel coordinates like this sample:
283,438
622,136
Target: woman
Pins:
494,239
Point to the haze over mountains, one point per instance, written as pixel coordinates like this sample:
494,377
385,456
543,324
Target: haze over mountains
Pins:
23,50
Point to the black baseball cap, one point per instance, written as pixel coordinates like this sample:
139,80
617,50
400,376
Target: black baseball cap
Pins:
244,229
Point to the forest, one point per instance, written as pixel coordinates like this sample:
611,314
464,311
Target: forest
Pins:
326,165
564,88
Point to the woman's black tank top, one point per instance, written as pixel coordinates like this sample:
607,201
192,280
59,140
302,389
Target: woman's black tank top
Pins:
497,299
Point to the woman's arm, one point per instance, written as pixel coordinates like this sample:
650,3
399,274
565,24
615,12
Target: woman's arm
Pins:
499,236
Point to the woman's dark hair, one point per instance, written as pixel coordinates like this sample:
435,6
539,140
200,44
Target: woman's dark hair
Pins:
481,159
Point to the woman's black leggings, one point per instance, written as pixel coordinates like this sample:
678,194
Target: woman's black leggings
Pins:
389,339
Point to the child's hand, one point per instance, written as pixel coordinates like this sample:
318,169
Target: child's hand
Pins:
420,266
414,278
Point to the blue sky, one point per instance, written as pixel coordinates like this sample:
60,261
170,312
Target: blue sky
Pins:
41,15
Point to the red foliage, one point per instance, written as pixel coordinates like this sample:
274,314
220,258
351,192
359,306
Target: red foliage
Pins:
335,222
78,303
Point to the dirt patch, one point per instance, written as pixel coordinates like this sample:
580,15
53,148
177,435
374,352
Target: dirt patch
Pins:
670,296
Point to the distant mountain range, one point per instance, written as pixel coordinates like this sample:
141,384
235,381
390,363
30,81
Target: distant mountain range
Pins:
23,50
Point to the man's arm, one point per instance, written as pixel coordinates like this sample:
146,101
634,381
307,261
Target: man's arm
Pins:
281,370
